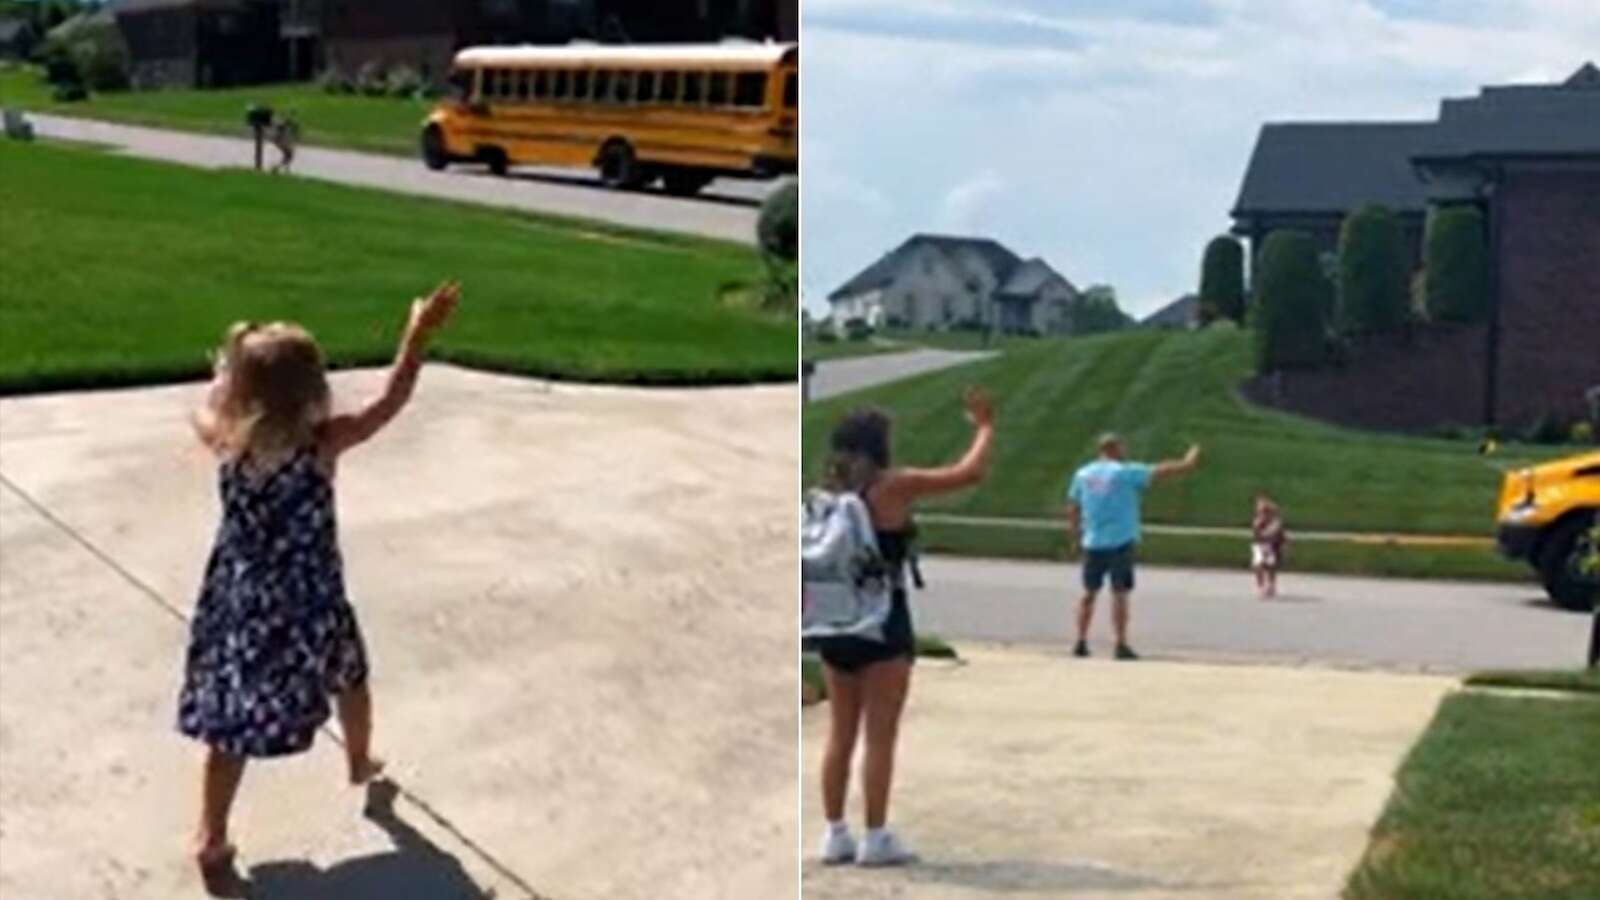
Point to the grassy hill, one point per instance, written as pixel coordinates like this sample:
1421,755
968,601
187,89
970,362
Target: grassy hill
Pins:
1162,391
124,271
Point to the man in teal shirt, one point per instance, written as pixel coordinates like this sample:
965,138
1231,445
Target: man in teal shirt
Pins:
1103,507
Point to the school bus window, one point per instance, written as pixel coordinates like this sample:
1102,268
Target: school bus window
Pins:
694,88
580,84
524,85
602,85
560,84
668,91
750,89
791,91
622,87
540,85
458,86
717,89
645,87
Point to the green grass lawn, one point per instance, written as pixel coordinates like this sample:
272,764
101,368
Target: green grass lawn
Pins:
373,124
1583,680
125,271
821,351
1163,390
1500,800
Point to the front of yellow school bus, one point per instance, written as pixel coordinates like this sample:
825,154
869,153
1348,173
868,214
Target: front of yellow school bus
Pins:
1545,517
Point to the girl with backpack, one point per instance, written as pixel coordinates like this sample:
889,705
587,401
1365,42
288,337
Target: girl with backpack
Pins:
868,680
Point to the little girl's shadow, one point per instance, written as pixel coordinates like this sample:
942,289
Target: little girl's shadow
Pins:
416,869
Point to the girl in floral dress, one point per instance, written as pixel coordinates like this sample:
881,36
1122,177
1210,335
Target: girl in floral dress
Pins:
273,636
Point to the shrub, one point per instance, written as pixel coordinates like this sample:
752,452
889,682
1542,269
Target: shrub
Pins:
1547,428
1373,273
1581,433
1222,280
335,81
370,79
1292,297
1457,263
404,82
778,227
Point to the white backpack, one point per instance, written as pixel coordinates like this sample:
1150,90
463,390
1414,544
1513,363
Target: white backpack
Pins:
845,586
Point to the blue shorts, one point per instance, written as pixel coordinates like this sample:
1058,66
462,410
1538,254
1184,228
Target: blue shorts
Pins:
1114,561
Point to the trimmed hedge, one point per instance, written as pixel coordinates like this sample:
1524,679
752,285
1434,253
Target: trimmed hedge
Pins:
1292,297
1373,273
778,228
1457,255
1222,280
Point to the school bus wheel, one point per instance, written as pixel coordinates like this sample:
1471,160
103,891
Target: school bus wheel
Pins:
1560,562
684,182
434,154
619,168
496,160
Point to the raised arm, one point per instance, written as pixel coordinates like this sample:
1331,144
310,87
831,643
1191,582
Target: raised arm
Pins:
1174,467
427,314
909,484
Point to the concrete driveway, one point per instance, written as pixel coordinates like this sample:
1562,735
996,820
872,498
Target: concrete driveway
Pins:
727,209
579,602
1025,775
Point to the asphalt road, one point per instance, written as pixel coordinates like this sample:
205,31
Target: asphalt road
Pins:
1213,615
727,209
841,376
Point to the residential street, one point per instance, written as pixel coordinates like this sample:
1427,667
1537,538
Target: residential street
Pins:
727,209
1204,614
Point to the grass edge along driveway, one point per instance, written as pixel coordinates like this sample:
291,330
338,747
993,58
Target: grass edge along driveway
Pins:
1499,800
122,271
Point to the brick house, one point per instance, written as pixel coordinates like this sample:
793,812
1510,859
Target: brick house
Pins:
1529,157
200,43
426,33
939,282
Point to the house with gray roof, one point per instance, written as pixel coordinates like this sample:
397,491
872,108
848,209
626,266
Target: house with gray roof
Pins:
1528,156
941,282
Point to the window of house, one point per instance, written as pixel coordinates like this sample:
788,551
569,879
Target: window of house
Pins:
750,89
602,85
560,84
717,89
644,87
667,90
791,91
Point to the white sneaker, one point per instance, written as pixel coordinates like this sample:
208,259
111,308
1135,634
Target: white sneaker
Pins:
837,846
881,848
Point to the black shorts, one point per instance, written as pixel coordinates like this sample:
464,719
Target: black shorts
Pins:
1114,561
852,654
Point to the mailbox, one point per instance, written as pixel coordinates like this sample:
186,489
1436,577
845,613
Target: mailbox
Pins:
258,116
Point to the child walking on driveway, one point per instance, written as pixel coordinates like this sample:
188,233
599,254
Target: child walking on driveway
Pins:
273,634
1267,538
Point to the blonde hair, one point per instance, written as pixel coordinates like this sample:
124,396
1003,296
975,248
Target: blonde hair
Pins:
274,395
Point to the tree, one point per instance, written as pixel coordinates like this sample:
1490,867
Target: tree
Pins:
1222,280
1289,312
1095,311
1457,257
1373,273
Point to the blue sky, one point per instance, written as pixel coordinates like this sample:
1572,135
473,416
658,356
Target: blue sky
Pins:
1110,137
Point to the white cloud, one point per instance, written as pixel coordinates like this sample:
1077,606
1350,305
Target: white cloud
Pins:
1117,154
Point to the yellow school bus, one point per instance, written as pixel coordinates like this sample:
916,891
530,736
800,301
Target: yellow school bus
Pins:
682,114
